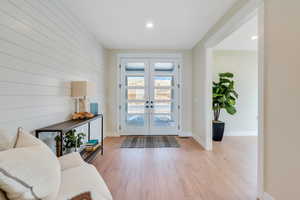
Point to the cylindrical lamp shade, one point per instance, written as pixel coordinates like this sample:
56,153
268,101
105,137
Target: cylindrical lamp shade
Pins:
82,89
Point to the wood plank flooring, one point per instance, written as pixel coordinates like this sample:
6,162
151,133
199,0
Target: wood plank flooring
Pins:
186,173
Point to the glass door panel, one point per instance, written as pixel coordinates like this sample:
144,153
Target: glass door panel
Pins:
164,67
162,107
135,81
135,121
135,107
164,121
163,94
163,81
134,93
164,97
135,67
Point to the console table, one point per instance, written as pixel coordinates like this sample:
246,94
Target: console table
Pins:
64,127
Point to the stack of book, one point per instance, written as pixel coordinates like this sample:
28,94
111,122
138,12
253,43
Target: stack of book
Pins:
92,145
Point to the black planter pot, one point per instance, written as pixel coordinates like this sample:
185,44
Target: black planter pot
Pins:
218,130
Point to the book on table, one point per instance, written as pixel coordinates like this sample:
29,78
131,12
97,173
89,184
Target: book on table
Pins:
92,145
92,148
92,142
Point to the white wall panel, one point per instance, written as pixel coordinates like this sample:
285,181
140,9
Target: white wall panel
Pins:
43,47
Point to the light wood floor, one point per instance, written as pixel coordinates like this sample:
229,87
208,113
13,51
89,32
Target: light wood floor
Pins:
186,173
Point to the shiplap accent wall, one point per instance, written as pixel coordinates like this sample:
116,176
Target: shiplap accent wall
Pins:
42,48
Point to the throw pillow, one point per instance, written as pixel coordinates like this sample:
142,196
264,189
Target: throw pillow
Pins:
30,171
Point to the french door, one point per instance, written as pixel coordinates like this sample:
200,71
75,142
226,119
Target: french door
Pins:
149,91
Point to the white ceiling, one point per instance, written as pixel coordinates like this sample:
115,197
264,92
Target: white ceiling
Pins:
120,24
241,39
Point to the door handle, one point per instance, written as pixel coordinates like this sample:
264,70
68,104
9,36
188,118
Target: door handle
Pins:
147,106
151,102
151,106
147,102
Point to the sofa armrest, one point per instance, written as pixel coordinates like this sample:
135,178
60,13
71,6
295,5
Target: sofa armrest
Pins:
70,160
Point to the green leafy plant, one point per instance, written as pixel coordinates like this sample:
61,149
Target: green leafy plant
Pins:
80,138
224,95
71,139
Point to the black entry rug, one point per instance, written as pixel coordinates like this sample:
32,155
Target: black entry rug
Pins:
150,142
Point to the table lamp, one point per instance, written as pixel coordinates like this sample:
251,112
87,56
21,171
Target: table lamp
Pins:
81,90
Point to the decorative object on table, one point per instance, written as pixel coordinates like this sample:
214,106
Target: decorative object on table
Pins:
92,142
58,144
92,145
83,196
94,108
81,90
82,115
224,97
62,128
72,141
150,142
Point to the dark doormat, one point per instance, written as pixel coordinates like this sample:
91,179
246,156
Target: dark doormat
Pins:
150,142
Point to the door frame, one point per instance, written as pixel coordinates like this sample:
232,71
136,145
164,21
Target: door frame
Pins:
174,56
253,7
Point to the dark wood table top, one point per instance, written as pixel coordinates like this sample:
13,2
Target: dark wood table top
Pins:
67,125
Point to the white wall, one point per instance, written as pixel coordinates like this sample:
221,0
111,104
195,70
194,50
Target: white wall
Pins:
42,48
113,81
243,64
281,99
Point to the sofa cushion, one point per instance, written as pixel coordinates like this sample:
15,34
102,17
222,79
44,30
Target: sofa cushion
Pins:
70,160
84,178
29,171
7,140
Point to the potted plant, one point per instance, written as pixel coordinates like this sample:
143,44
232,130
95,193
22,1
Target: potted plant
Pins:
224,97
72,141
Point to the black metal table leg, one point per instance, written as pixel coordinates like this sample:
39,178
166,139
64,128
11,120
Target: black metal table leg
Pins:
102,147
61,143
89,131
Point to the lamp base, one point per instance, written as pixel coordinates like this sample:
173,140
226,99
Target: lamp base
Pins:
83,105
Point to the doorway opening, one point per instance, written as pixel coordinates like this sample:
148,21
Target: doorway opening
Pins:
237,55
149,95
241,18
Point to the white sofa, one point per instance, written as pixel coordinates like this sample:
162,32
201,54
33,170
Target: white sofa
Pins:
24,175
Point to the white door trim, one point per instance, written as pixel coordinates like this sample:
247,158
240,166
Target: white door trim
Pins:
244,14
261,84
177,58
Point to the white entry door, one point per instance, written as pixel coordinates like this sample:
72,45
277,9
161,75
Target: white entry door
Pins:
149,91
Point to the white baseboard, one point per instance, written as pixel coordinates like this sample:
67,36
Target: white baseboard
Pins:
185,134
200,141
266,196
112,134
180,134
241,133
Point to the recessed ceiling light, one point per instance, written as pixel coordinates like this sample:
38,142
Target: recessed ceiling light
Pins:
149,25
255,37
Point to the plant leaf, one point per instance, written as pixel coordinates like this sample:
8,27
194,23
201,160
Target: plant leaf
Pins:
227,74
235,94
231,110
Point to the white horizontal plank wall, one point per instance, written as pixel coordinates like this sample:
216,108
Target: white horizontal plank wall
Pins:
43,47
